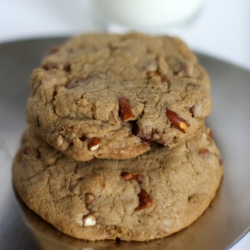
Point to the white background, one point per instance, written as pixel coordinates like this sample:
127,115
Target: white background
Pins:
221,29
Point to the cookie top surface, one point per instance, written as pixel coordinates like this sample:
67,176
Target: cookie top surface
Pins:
122,90
148,197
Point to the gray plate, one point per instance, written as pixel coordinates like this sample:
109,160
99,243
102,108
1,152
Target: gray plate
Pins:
224,222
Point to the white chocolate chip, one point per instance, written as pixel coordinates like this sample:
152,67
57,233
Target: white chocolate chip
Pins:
89,220
59,140
89,198
156,136
71,135
151,67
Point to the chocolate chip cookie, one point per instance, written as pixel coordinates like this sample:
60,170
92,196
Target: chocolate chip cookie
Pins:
151,196
110,96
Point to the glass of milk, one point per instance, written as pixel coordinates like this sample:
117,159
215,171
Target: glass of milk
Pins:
147,13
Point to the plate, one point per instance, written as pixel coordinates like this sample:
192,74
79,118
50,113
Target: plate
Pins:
225,221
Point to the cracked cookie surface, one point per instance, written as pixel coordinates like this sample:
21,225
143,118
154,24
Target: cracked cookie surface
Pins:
124,90
148,197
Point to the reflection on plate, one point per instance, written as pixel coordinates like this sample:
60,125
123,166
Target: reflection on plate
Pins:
224,222
50,238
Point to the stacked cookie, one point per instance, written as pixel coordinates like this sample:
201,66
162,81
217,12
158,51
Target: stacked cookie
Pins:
117,146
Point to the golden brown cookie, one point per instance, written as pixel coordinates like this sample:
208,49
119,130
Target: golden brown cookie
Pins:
148,197
110,96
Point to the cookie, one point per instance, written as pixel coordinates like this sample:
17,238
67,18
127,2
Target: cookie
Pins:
140,199
110,96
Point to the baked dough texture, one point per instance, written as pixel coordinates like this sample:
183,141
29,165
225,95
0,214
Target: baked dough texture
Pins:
148,197
109,96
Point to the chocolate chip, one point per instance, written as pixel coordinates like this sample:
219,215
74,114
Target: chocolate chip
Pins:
30,151
192,110
135,128
83,138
